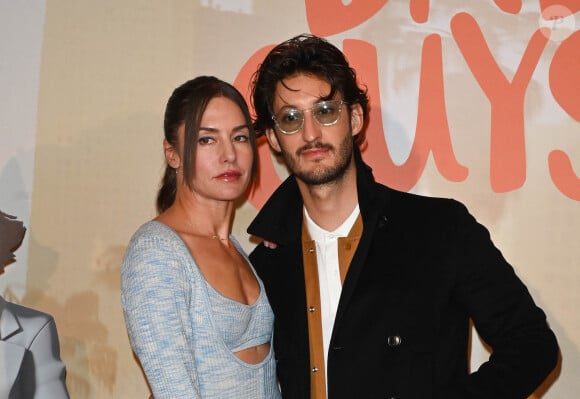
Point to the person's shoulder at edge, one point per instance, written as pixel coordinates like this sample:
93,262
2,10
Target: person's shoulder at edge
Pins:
407,204
152,232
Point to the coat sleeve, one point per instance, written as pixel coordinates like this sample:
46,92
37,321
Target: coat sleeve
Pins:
524,349
46,379
155,294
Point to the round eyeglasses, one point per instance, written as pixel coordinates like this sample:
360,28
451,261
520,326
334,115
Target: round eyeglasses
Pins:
290,120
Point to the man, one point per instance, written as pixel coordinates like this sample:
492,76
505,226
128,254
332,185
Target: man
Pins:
372,288
30,365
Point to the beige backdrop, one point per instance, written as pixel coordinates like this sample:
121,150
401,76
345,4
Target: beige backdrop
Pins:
106,69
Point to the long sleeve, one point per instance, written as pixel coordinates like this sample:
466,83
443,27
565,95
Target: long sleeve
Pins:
155,298
524,348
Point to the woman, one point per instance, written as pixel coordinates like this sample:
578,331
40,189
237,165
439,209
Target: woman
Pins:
197,315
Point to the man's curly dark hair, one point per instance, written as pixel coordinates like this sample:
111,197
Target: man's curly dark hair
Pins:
310,55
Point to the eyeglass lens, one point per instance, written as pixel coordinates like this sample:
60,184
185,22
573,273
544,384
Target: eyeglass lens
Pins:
290,120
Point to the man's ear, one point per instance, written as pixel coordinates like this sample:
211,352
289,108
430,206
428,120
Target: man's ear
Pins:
171,155
273,140
356,118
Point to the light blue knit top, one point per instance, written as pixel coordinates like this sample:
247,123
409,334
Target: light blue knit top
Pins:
185,332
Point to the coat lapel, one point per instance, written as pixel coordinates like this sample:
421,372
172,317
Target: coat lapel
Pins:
11,355
9,324
373,212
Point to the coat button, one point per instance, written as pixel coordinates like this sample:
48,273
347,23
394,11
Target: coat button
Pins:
314,369
394,340
311,309
311,250
382,222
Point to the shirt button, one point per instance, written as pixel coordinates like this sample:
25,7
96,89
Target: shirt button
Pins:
311,309
394,340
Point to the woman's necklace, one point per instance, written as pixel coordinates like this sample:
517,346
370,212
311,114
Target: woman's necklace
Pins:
195,231
216,237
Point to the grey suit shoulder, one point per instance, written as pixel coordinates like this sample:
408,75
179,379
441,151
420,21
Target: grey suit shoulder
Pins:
30,364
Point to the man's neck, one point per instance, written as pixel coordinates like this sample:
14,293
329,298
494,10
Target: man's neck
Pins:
330,204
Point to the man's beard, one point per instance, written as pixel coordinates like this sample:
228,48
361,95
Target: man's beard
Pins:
322,175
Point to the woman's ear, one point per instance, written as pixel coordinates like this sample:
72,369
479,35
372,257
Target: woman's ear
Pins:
273,140
171,155
356,118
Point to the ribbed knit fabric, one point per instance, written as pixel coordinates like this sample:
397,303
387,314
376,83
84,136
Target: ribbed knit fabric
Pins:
241,326
173,331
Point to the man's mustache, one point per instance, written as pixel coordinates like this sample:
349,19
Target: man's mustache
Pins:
312,146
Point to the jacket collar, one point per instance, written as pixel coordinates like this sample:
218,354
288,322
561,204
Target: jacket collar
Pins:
11,354
9,324
280,219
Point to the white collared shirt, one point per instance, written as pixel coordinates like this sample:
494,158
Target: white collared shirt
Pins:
329,271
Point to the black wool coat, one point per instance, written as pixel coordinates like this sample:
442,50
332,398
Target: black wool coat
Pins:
423,268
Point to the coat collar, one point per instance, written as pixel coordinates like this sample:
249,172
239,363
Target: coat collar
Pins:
280,219
9,324
11,354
